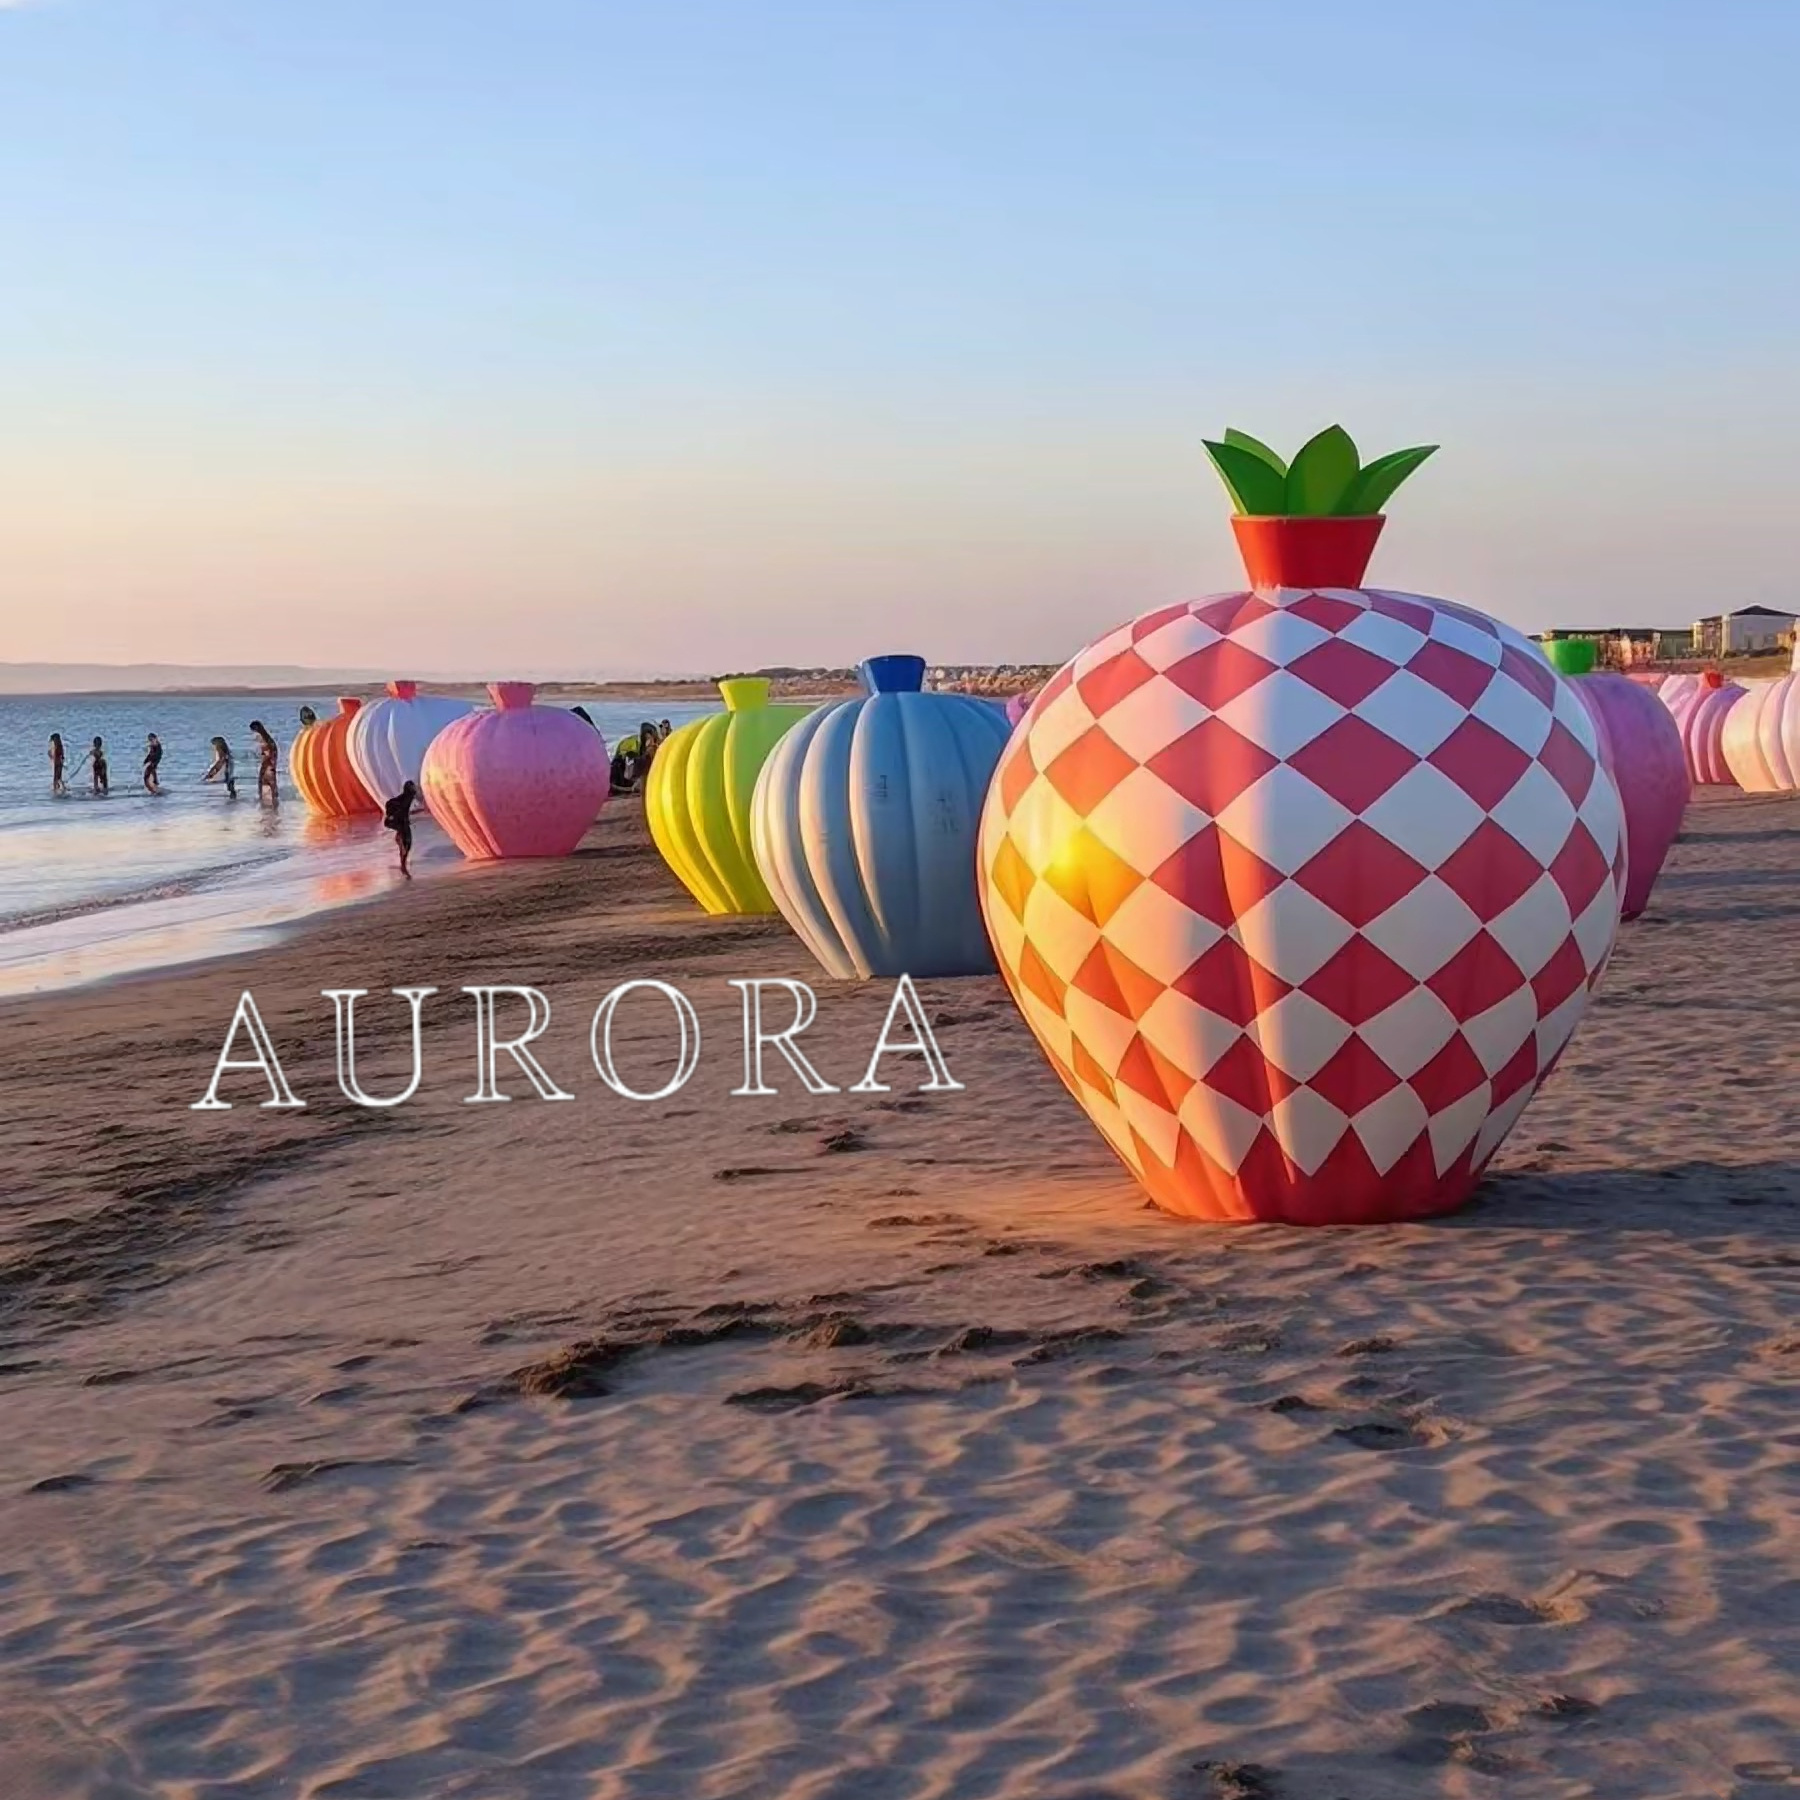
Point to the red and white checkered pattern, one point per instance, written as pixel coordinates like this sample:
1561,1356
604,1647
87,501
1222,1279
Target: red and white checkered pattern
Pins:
1303,893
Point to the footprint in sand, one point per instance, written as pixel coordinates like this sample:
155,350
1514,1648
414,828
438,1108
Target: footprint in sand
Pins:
1450,1731
1505,1609
1393,1434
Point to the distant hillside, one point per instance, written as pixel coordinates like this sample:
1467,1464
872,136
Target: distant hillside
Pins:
277,678
238,678
156,678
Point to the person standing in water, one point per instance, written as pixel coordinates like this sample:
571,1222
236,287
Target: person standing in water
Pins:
97,756
152,761
396,815
221,769
57,784
267,755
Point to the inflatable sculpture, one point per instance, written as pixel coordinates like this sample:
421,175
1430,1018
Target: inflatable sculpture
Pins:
1018,706
1760,740
521,780
1641,748
864,823
387,739
697,800
1699,705
319,762
1303,888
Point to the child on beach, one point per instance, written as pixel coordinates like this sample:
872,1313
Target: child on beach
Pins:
152,761
396,815
221,769
97,756
57,784
266,782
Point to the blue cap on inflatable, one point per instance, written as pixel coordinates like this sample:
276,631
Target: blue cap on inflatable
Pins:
893,674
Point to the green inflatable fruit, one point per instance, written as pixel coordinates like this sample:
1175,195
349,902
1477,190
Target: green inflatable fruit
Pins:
697,800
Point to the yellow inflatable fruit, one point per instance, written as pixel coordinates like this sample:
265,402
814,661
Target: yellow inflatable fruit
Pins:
697,800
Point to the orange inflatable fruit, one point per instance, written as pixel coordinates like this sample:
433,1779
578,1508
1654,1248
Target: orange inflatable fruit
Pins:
319,762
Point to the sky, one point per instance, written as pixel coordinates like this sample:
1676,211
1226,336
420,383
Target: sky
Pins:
597,337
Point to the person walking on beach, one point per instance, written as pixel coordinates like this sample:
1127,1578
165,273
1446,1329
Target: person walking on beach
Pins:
97,757
221,769
267,784
396,815
57,784
152,761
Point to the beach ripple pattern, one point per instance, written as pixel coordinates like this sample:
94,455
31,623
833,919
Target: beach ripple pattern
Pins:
1303,894
864,824
518,781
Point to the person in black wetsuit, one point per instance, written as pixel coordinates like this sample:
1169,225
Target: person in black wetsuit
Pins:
152,761
267,782
97,756
396,815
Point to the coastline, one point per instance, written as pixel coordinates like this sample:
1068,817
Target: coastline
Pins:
881,1443
230,910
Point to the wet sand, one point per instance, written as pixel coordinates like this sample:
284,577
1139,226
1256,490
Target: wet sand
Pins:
864,1445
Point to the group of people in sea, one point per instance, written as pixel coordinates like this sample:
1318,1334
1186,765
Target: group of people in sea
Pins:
223,767
631,760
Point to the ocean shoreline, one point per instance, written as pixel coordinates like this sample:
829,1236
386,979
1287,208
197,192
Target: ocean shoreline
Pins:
175,931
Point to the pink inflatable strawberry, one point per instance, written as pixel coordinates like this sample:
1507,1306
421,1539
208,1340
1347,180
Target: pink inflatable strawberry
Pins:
1303,888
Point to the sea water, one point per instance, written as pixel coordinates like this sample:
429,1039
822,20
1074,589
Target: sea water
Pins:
94,886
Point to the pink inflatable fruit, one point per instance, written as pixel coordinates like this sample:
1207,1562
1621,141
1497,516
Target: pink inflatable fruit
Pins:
1699,705
1761,739
1643,753
521,780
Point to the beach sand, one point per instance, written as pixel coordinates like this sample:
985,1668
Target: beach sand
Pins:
880,1447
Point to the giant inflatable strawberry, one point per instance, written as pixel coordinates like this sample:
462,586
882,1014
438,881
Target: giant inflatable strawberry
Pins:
1303,889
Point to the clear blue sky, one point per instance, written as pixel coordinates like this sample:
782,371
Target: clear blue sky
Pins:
570,334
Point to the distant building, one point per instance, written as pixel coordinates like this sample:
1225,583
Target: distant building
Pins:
1735,633
1626,646
1748,630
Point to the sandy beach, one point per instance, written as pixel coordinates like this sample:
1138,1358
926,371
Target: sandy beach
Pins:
879,1446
